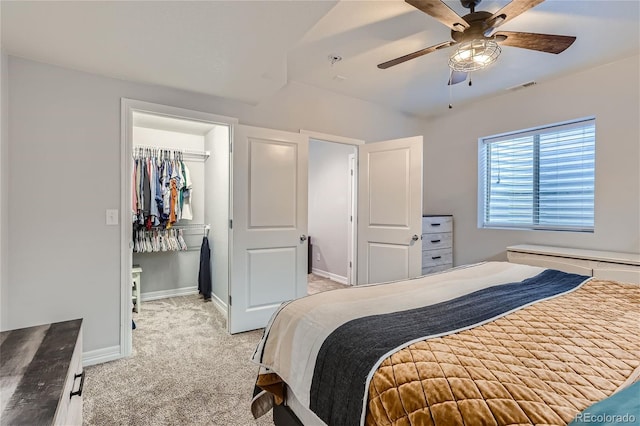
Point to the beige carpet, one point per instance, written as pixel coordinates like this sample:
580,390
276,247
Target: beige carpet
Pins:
185,369
318,284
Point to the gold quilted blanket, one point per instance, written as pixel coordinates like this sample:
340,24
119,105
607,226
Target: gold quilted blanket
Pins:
540,365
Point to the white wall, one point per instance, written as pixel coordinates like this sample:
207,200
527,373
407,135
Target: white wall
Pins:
64,156
329,206
217,211
610,93
4,182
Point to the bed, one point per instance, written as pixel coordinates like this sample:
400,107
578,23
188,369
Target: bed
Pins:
493,343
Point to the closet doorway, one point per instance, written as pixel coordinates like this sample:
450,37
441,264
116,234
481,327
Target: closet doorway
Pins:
165,246
332,207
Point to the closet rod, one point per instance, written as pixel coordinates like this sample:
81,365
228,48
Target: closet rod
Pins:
192,226
203,226
186,152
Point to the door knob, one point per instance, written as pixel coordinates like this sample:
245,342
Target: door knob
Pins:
415,237
303,238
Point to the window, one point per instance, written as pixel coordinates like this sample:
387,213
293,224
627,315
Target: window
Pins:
539,179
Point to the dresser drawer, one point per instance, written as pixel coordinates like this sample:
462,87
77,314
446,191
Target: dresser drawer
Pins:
438,268
69,410
437,257
436,241
437,224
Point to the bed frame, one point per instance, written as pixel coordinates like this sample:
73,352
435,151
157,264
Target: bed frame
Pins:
283,416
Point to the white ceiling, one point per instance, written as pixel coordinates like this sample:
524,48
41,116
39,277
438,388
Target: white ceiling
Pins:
248,50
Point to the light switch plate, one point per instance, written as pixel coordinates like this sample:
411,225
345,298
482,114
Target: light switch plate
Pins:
112,216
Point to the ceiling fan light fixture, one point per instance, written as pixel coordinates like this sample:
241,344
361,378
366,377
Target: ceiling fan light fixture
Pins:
474,55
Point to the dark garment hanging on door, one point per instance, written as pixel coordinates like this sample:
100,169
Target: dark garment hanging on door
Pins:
204,275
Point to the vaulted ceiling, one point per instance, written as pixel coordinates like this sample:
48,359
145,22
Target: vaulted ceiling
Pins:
248,50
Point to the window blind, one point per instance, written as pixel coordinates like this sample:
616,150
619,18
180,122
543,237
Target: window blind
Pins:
539,179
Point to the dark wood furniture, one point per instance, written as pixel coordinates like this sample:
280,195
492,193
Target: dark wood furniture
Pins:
41,374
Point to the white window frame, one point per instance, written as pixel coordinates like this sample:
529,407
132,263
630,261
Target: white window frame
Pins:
482,184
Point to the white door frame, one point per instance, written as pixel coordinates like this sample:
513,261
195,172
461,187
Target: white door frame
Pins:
127,108
353,217
352,250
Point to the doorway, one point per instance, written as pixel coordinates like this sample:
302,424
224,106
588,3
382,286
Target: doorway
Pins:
161,256
332,216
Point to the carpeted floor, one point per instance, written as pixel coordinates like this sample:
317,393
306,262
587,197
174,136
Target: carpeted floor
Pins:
316,284
185,369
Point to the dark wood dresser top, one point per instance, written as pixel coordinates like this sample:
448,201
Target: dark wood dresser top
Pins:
34,362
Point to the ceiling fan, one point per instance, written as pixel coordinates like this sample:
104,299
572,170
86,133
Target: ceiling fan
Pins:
478,44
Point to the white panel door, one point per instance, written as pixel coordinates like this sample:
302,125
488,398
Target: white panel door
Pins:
390,210
269,245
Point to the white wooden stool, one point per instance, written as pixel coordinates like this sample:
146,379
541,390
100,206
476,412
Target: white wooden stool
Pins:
136,273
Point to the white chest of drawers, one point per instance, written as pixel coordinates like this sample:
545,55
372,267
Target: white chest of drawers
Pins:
437,243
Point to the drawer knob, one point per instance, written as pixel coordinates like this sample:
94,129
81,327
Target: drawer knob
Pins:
435,224
435,257
79,391
435,241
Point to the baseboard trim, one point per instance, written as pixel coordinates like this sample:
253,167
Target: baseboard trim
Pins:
333,277
163,294
98,356
222,307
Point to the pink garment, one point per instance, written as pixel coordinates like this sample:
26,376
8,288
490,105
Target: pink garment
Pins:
134,192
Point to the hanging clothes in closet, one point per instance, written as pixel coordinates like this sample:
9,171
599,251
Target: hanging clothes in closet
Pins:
161,190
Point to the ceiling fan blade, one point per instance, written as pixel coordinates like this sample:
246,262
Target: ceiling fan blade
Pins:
401,59
510,11
441,12
550,43
457,77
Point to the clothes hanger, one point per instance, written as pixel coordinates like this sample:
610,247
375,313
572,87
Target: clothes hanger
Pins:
163,244
183,243
174,240
147,242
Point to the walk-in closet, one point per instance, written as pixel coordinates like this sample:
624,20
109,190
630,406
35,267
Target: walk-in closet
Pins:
179,201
